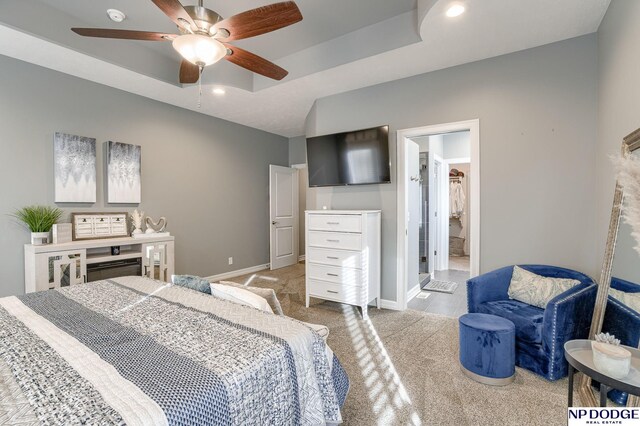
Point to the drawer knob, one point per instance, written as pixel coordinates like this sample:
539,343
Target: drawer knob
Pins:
333,223
333,241
332,275
331,291
332,257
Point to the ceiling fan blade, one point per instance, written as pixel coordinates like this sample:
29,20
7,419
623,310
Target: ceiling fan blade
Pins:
189,73
175,11
255,63
123,34
260,21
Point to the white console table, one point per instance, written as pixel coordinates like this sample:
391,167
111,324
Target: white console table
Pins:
343,256
45,265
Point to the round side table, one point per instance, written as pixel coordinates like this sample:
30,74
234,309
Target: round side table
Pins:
580,357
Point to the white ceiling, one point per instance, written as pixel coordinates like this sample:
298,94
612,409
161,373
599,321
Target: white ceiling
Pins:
340,45
324,20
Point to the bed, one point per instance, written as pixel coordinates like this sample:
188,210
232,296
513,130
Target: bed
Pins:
139,352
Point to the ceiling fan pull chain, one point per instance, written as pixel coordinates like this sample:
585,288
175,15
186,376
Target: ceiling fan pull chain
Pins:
200,87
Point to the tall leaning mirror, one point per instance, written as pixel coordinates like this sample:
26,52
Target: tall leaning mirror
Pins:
616,309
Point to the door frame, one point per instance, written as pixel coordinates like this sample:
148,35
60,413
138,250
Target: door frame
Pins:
473,126
415,287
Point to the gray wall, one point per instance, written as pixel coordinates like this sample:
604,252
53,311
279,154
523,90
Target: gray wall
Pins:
619,104
537,111
457,145
209,177
298,150
297,156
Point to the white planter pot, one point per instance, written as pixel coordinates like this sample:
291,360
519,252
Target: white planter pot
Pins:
39,238
611,360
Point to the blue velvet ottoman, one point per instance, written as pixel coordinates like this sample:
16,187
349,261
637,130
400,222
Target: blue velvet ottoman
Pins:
488,348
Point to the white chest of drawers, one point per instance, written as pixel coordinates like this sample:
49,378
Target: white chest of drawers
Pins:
343,256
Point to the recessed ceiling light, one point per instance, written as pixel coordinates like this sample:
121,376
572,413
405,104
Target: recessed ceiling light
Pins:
219,91
455,10
115,15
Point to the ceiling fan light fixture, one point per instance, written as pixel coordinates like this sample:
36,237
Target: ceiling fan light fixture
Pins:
115,15
199,49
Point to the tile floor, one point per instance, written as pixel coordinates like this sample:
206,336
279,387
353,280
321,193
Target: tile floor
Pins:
459,263
451,305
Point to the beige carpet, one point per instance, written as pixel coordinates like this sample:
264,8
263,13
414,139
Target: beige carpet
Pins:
404,369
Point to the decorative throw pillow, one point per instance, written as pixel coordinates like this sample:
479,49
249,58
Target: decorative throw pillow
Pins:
192,282
536,290
266,293
241,296
631,300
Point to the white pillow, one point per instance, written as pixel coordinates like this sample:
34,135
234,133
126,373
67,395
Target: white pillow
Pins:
632,300
536,290
241,296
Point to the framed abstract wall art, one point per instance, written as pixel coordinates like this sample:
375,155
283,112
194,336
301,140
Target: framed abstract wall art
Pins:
123,173
74,168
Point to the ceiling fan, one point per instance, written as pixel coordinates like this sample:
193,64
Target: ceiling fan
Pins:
204,36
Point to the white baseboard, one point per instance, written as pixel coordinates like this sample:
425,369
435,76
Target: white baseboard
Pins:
301,258
413,292
389,304
238,272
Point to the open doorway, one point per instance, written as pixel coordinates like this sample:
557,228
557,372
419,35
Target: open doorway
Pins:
439,197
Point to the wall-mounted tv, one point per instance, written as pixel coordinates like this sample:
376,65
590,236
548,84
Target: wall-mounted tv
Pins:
360,157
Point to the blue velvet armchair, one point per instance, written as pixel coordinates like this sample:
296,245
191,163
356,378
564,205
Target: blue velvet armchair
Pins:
624,323
540,333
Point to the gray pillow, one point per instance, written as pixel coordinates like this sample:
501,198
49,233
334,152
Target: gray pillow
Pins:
632,300
193,282
536,290
266,293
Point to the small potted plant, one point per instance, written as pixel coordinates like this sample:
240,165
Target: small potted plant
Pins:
39,220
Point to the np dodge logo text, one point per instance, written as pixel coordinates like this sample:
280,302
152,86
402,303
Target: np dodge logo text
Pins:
604,416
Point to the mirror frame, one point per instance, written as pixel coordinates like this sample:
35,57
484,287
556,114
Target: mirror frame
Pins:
630,143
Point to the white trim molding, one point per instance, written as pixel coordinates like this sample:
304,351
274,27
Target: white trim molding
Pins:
473,126
389,304
413,292
238,272
301,258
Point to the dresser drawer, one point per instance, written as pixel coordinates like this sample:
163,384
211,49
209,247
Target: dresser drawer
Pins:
331,291
343,276
340,223
341,258
335,240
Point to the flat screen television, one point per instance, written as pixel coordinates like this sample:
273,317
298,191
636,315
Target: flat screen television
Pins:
360,157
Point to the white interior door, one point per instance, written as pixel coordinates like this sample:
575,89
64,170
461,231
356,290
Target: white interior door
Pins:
434,170
283,199
443,219
438,215
413,220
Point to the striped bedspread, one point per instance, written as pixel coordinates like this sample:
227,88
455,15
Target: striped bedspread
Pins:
138,352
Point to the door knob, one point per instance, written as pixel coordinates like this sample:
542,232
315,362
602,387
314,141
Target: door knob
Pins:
274,222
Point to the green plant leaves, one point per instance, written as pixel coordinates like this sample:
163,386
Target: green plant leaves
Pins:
38,218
